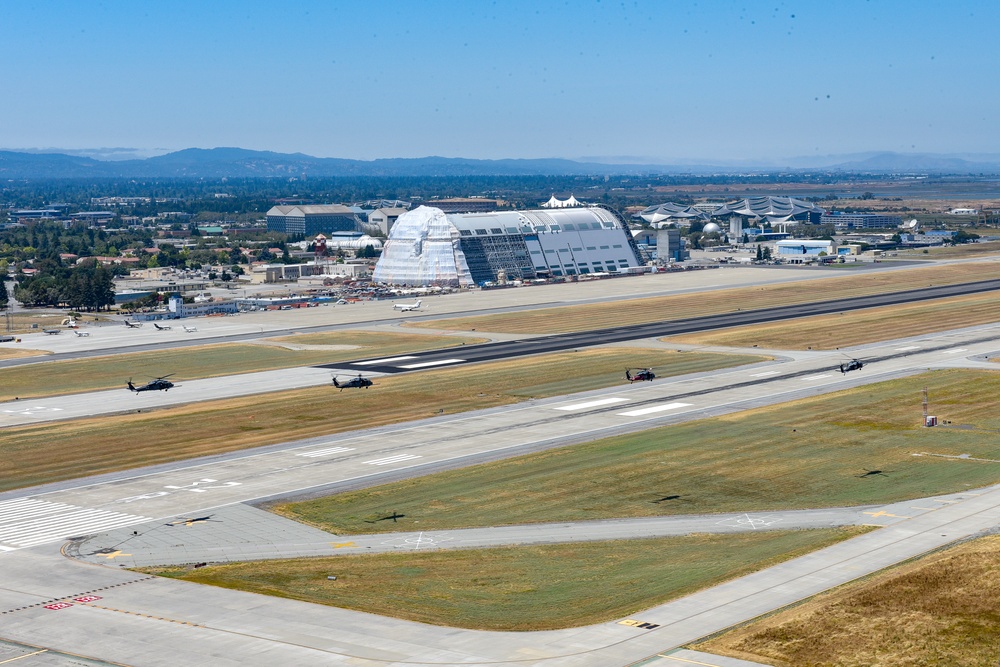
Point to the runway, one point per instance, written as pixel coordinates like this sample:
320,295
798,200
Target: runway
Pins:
112,614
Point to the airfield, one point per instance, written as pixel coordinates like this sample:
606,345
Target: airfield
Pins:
63,599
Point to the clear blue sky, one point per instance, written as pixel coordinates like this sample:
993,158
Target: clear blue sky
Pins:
661,80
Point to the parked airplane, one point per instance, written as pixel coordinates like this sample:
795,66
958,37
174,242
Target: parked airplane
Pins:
133,325
81,334
407,307
159,328
190,329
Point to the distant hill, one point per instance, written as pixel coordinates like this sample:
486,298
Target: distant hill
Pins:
242,163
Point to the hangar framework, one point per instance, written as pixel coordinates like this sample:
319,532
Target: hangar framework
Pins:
429,247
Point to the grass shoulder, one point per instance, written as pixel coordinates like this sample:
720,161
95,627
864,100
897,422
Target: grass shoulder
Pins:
54,451
664,308
857,327
203,361
518,588
805,454
937,610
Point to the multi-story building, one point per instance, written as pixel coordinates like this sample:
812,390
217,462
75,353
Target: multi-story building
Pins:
310,220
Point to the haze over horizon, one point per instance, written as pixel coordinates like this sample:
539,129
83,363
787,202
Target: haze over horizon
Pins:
676,83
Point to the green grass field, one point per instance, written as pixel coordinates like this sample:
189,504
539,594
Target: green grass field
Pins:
809,453
190,363
518,588
65,450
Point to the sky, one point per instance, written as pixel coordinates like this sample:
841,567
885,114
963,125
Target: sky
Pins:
658,81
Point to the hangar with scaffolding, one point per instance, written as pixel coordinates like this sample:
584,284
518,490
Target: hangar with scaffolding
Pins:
427,246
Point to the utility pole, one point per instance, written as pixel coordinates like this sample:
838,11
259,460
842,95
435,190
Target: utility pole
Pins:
925,406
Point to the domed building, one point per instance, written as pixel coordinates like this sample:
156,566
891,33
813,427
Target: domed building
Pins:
427,246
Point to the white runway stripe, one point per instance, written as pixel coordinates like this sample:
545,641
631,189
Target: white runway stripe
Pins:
955,351
814,377
392,459
27,522
592,404
907,348
764,374
439,362
388,360
326,452
656,408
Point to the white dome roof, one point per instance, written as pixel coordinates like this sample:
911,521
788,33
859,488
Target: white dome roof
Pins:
711,228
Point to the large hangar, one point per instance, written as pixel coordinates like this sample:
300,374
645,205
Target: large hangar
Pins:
427,246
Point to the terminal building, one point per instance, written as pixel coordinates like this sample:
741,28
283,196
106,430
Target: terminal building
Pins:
430,247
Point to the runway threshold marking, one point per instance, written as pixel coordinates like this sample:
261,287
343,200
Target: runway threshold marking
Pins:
439,362
592,404
26,522
392,459
656,408
325,452
387,360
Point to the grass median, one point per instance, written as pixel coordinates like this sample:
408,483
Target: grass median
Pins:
665,308
55,451
809,453
518,588
857,327
190,363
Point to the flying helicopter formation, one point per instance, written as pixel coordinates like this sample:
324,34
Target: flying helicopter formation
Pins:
639,375
359,382
156,384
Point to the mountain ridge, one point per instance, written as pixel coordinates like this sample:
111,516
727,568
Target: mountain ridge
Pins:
233,162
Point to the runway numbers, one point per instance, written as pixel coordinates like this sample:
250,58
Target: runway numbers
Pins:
56,606
638,624
87,598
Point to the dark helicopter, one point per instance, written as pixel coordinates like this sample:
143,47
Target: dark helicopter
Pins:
852,365
639,374
359,382
158,384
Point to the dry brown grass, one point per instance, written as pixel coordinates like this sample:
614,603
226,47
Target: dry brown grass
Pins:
212,360
49,452
952,252
857,327
666,308
943,609
18,352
